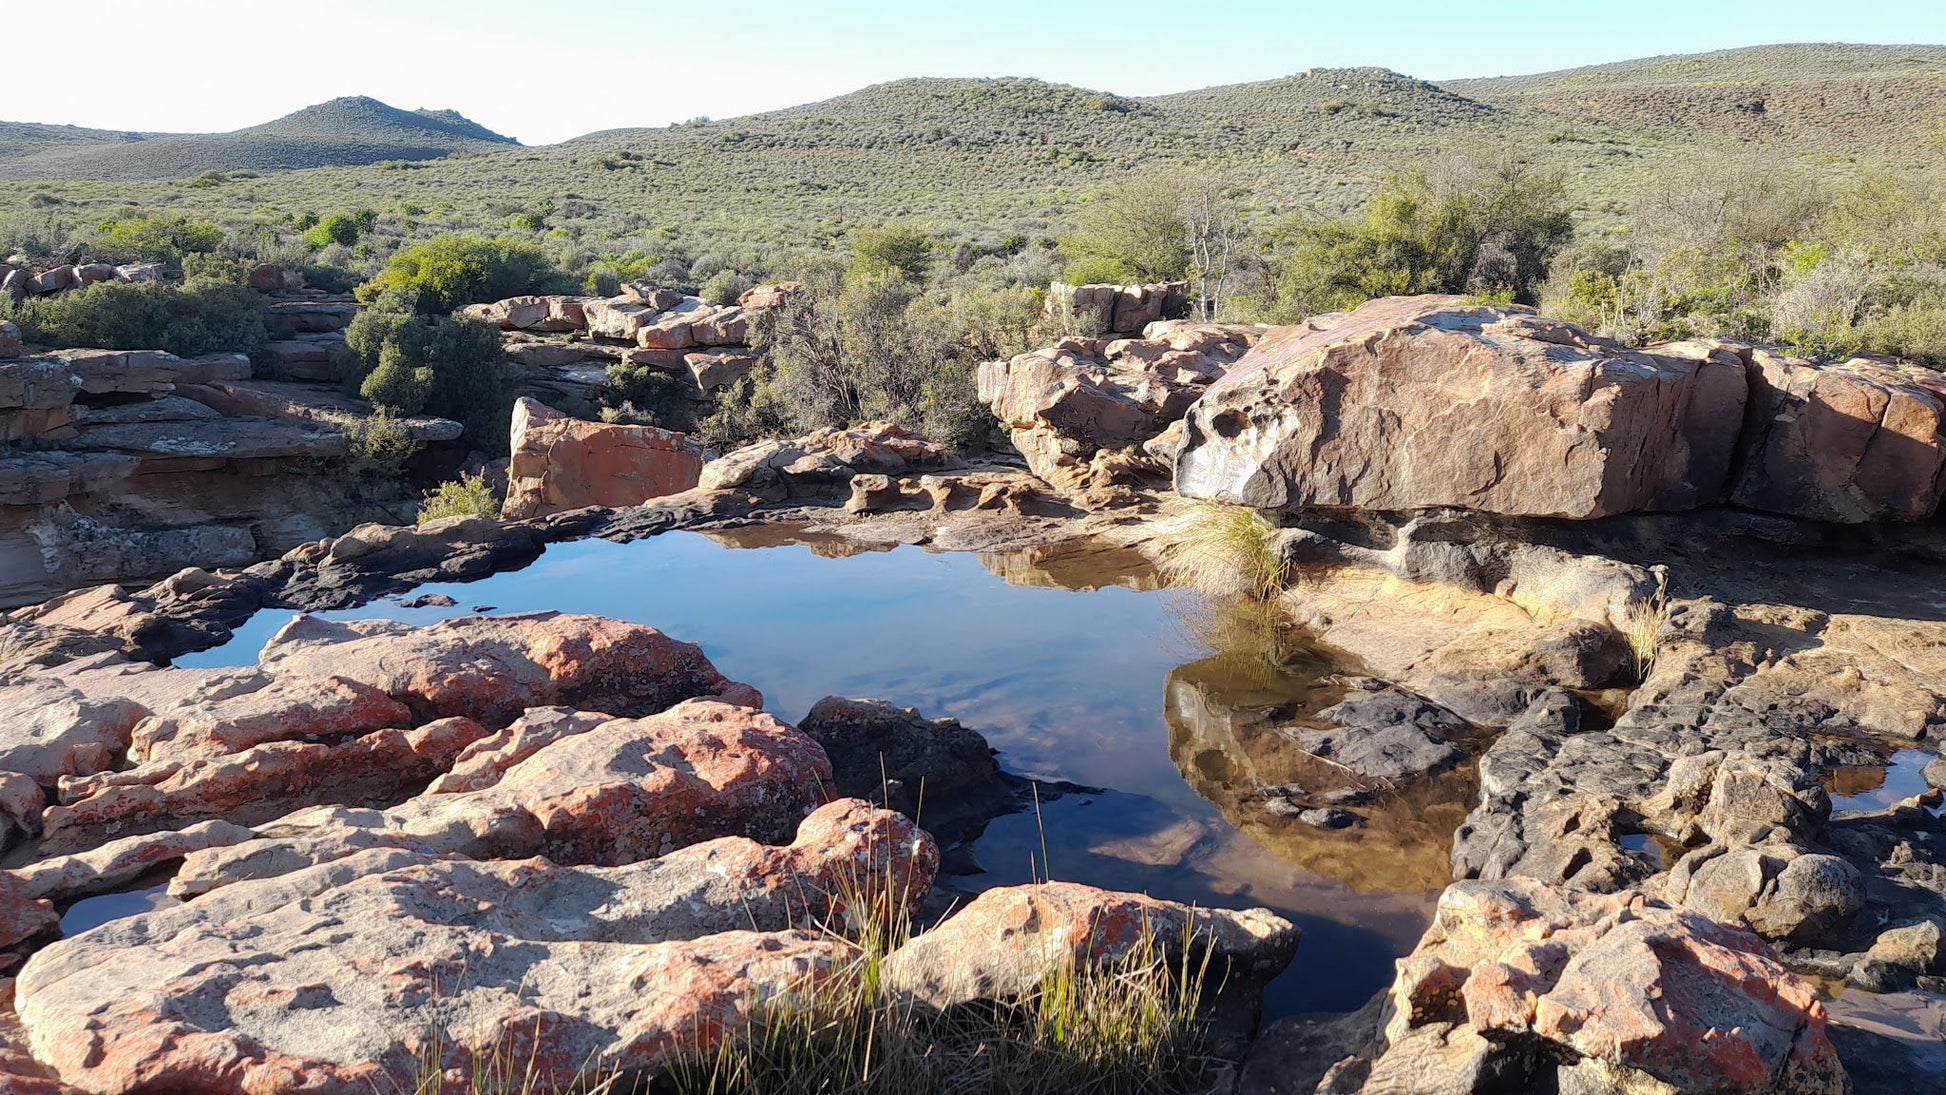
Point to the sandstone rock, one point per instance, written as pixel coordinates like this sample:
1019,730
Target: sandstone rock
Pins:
1779,891
822,463
770,295
656,297
1856,441
37,383
10,345
142,273
1617,991
17,282
1507,414
278,773
243,712
117,863
265,277
935,771
673,329
492,668
562,463
462,961
532,313
1114,309
22,914
54,280
618,317
615,792
719,370
1008,939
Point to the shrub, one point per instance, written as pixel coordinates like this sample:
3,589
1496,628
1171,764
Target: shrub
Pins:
153,238
446,272
204,315
1224,550
1136,232
724,287
452,367
338,228
901,249
376,448
469,495
527,222
640,395
1473,228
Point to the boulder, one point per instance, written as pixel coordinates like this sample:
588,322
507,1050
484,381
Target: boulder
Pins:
775,295
618,317
719,369
1779,891
54,280
1538,986
247,709
1064,404
935,771
617,791
1006,941
1854,441
23,915
569,971
142,273
10,344
16,282
93,273
822,463
1114,309
560,463
492,668
1508,413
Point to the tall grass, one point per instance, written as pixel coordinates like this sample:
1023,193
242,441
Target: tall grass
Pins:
1223,550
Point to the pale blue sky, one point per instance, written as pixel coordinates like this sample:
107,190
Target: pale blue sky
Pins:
546,70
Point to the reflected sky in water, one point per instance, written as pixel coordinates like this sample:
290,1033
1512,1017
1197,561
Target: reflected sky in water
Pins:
1067,684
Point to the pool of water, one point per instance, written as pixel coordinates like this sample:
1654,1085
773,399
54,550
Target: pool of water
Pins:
1076,668
1866,788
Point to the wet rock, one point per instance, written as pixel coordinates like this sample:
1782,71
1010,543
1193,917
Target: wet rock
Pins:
1509,414
935,771
562,463
822,463
1386,735
492,668
1605,993
1003,943
555,965
614,792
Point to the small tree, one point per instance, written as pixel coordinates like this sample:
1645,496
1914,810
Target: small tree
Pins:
902,249
446,272
1135,232
408,363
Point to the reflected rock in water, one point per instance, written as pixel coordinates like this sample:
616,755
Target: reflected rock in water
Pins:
1373,806
824,545
1075,564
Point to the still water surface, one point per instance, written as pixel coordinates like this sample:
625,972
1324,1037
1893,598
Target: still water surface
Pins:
1169,706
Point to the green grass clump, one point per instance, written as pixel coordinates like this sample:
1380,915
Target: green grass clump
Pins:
1223,550
467,496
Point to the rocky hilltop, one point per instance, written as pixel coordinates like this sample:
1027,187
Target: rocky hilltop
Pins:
1625,620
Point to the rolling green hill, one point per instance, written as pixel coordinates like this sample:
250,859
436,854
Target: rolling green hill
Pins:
349,131
986,158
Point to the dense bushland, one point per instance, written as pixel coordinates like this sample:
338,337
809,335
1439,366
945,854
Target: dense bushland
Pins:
210,312
407,363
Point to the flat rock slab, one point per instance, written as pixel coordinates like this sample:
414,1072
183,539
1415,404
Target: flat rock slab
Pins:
228,439
322,405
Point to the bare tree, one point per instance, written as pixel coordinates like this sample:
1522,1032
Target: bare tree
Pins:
1215,224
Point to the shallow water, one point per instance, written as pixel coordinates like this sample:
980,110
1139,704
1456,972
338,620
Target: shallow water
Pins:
1862,789
1170,706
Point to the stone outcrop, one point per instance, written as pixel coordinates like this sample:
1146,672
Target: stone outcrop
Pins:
1511,413
562,463
1065,404
1522,986
822,463
625,967
1506,412
1108,310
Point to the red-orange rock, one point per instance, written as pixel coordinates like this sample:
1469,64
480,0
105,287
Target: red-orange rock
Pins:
290,708
562,463
1643,994
23,914
492,668
771,296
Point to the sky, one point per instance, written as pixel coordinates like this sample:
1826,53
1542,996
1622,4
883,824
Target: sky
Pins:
549,70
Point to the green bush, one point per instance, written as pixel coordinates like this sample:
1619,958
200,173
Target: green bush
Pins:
446,272
641,395
1481,229
1136,232
902,249
527,222
455,368
338,228
467,496
153,238
204,315
724,287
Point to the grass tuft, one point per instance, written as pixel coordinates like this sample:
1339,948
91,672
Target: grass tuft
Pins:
469,495
1223,550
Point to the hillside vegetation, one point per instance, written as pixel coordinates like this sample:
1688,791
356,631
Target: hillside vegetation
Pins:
349,131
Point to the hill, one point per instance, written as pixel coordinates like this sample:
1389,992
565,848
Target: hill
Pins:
349,131
991,158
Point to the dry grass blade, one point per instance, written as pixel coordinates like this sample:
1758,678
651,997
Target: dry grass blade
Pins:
1223,550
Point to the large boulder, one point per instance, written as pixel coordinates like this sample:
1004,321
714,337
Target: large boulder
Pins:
1529,986
1504,412
1853,441
560,463
566,968
1114,309
492,668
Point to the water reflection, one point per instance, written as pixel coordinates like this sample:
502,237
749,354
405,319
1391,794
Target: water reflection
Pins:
1077,668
